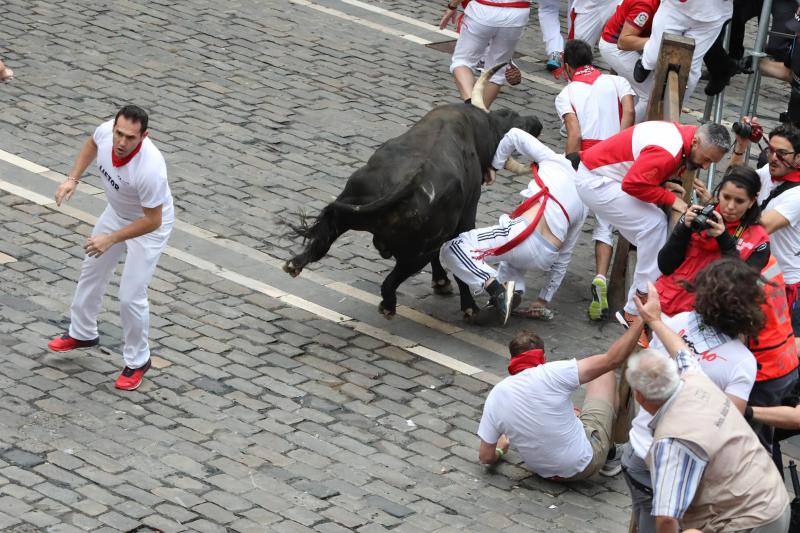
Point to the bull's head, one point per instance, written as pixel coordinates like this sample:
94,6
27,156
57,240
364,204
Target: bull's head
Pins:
505,118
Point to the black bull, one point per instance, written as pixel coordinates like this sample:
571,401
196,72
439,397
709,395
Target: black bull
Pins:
416,192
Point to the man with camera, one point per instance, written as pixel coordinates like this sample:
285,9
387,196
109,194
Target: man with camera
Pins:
779,198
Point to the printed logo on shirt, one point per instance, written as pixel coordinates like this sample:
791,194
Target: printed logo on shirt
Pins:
641,19
109,178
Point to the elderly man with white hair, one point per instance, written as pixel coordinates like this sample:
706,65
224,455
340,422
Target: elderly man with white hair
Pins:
709,470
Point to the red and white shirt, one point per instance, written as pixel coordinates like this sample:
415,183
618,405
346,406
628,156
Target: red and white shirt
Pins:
596,101
638,13
642,158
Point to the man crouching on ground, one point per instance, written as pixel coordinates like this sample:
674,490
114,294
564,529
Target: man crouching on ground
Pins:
531,410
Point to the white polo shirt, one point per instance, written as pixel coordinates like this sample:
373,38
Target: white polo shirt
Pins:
534,410
598,106
142,182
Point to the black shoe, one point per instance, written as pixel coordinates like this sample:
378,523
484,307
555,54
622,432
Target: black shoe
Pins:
717,83
501,299
639,72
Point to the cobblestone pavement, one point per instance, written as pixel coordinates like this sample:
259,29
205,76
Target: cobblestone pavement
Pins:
259,415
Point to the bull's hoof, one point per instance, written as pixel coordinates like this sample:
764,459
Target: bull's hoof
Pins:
388,313
470,314
442,287
292,270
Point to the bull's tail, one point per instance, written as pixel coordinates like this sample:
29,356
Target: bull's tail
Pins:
318,237
380,204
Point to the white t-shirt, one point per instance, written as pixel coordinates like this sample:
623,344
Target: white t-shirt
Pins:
784,243
534,410
498,17
726,361
590,6
597,106
701,10
142,182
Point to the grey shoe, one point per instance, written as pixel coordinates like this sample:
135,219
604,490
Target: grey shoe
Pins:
613,464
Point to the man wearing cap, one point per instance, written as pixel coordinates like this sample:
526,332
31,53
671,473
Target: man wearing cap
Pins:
531,410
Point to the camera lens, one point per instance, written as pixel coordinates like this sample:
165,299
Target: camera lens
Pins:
742,129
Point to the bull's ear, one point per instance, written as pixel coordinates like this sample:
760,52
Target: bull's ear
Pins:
532,125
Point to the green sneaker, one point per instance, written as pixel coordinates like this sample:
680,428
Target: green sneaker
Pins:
598,309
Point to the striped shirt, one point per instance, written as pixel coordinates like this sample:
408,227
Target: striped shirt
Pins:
677,466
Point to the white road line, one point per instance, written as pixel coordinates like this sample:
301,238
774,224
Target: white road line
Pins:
25,193
269,290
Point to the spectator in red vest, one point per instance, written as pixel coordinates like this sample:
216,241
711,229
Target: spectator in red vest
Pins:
731,230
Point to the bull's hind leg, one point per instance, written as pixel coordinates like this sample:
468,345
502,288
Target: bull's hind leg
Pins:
401,272
440,282
468,305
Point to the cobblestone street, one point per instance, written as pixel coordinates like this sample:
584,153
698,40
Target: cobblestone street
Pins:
274,404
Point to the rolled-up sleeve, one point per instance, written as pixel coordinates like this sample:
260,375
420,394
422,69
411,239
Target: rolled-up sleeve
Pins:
675,473
524,143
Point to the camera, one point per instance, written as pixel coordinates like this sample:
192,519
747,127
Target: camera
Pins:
700,222
748,131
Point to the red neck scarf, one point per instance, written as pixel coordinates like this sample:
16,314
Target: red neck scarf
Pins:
586,74
119,161
793,176
525,360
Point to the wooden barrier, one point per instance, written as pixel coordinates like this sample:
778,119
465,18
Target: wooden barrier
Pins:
671,74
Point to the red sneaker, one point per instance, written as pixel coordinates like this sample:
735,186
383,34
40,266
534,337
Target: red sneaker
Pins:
131,378
66,343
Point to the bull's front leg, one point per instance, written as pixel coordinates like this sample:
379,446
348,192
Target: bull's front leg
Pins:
401,272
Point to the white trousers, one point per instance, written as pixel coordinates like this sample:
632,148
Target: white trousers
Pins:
623,61
603,231
643,224
478,41
140,263
671,20
588,25
458,255
551,26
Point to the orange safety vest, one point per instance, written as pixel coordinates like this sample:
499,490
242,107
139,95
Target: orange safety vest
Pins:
774,347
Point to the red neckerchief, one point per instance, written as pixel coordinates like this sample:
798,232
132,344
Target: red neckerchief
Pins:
120,161
586,74
525,360
793,176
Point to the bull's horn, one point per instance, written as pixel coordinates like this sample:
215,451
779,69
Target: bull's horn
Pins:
516,167
477,89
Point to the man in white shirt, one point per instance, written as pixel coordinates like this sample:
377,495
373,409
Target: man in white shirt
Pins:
587,19
727,295
531,409
488,31
541,233
701,20
697,439
594,106
780,204
138,219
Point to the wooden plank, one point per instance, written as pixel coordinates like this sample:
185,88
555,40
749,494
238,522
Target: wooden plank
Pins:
617,293
675,55
672,97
